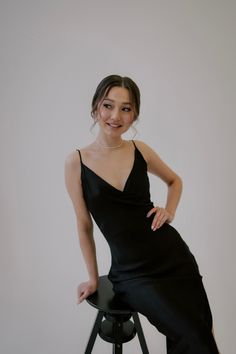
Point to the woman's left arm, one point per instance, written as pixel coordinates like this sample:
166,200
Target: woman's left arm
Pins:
174,183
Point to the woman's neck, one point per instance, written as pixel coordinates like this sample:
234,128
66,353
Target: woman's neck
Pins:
109,142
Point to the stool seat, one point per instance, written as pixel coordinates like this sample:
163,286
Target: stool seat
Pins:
106,300
113,322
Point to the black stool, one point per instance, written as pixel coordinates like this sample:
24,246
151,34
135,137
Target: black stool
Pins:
116,328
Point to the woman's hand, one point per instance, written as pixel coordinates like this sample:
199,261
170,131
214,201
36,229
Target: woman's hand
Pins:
162,216
85,289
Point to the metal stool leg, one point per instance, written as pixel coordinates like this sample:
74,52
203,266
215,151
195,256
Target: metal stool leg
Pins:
141,337
94,332
118,330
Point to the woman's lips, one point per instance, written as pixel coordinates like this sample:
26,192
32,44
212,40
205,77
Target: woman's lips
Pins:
114,125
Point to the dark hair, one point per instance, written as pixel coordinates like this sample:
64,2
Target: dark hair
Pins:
121,81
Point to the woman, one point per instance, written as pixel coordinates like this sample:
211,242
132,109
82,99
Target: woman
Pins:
152,268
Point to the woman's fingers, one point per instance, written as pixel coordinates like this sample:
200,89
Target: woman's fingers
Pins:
153,210
161,216
159,220
84,290
82,297
81,292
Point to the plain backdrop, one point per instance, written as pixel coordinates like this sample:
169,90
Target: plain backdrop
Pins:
53,55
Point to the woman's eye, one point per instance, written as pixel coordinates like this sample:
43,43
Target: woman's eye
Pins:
127,109
107,105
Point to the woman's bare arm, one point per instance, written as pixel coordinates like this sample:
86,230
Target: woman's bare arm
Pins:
174,183
84,224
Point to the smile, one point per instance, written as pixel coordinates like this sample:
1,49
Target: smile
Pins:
114,125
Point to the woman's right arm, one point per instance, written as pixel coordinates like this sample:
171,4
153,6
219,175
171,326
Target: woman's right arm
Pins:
84,224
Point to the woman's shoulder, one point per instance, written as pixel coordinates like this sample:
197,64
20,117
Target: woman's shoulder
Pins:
140,143
144,148
72,163
74,156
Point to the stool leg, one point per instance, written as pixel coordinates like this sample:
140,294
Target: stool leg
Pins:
141,337
94,332
117,349
118,329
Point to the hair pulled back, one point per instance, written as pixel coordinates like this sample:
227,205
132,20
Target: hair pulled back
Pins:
119,81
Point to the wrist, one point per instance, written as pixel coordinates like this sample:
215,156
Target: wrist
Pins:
94,281
172,215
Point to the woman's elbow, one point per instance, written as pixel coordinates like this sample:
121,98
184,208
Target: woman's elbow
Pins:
85,230
176,180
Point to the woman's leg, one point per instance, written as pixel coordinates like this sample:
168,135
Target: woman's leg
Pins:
178,308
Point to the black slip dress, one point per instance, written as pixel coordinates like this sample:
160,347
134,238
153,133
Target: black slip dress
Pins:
153,271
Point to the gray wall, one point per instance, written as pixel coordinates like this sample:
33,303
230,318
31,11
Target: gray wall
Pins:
53,55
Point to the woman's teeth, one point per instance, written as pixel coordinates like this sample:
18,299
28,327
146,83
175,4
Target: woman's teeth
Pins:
114,125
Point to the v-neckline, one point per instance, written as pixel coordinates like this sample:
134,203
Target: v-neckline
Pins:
109,184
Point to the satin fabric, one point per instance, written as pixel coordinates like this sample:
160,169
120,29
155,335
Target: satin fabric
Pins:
153,271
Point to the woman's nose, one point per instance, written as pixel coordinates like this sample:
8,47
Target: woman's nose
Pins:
115,115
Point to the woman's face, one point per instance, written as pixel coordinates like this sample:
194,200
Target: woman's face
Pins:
115,112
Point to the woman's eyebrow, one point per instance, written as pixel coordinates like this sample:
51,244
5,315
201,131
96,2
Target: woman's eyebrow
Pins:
108,99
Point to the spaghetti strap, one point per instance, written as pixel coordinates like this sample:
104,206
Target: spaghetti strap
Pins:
80,156
134,143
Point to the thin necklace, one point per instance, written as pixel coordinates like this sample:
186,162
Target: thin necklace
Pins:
109,147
